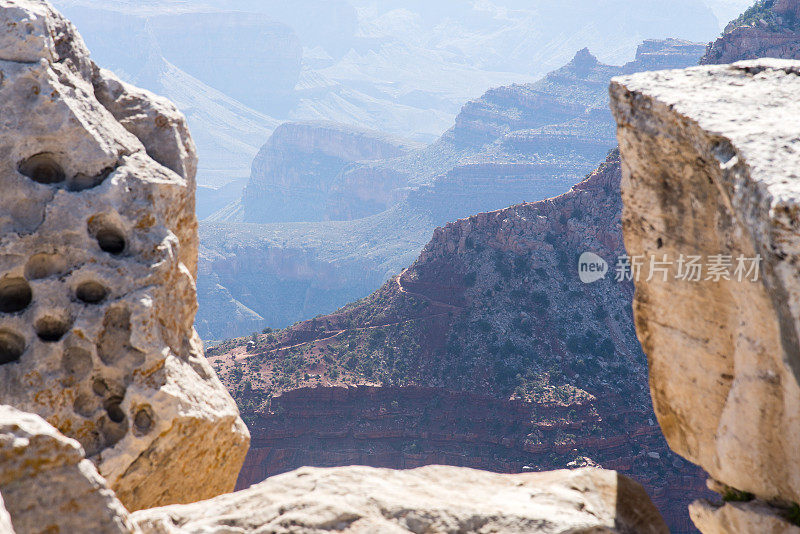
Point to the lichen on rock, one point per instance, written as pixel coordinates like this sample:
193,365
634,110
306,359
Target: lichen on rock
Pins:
710,168
98,241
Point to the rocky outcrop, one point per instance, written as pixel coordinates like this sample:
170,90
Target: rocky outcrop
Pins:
303,173
363,499
770,28
47,484
710,163
99,254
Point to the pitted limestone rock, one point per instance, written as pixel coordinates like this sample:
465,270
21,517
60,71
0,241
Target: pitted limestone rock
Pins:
711,161
46,483
98,250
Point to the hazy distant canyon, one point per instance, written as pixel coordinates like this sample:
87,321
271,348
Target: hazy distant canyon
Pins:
361,204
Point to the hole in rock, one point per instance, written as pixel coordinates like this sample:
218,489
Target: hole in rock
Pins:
110,240
77,361
12,346
42,168
659,243
15,295
44,266
91,292
143,420
92,441
85,405
51,328
114,344
99,387
114,409
81,182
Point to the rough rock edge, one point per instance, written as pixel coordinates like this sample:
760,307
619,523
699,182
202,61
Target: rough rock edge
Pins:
764,203
48,485
427,499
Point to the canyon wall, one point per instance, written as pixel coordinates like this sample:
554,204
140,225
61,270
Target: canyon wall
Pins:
710,162
770,28
99,254
514,144
97,301
492,321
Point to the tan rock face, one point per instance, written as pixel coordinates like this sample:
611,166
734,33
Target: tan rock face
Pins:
98,250
47,484
710,167
428,499
740,517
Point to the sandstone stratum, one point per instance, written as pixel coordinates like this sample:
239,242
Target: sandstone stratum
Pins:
711,158
108,403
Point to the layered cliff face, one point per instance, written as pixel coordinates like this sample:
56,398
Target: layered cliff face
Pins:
304,173
525,364
48,486
770,28
99,253
516,143
658,54
710,169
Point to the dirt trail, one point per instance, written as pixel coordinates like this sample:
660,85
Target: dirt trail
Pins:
399,279
425,297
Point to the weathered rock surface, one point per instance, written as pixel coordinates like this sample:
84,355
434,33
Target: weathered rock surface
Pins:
770,28
753,517
429,499
46,483
710,163
99,253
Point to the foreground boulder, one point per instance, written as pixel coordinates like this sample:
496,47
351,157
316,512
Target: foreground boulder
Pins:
429,499
711,161
47,484
99,254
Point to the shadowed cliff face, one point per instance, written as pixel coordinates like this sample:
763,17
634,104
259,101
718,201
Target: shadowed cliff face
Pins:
516,143
535,368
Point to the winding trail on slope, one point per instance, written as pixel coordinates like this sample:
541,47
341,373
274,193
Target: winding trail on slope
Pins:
399,279
424,297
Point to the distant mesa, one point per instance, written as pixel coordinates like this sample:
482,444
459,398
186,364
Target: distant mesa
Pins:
305,167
